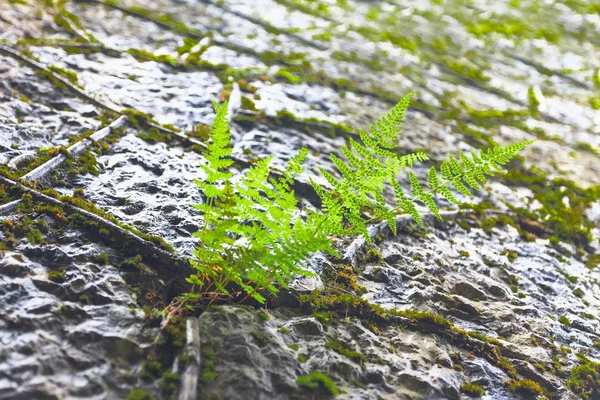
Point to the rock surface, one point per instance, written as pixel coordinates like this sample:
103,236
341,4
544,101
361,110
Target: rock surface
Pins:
517,270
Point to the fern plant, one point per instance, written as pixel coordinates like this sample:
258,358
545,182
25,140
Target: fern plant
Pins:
256,239
252,235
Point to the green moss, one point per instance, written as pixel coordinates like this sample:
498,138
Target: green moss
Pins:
321,317
137,118
34,236
318,382
373,254
534,102
134,262
285,75
466,70
155,135
511,255
264,315
476,137
174,335
65,73
143,55
343,349
248,104
564,320
570,278
151,370
293,347
584,379
596,78
464,224
139,394
506,366
102,258
592,261
284,330
578,292
567,223
209,360
84,298
260,338
57,276
169,382
80,221
3,195
586,146
164,20
525,386
69,21
286,118
472,390
85,164
302,358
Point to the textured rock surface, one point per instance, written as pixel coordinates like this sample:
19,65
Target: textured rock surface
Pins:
483,72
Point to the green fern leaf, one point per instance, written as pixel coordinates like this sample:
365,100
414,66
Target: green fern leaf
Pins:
416,188
446,170
458,185
430,203
353,159
343,168
432,179
448,195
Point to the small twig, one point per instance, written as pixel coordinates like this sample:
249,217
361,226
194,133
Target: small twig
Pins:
36,65
174,266
72,25
8,208
74,150
21,158
189,376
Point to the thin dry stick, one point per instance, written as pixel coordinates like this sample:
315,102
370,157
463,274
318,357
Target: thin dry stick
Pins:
72,25
189,376
113,108
8,208
74,150
36,65
171,265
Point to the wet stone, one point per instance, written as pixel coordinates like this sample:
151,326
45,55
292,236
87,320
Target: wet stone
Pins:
86,337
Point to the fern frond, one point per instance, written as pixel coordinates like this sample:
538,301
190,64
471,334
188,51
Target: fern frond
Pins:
352,158
432,179
448,195
412,158
428,200
416,188
256,239
405,204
